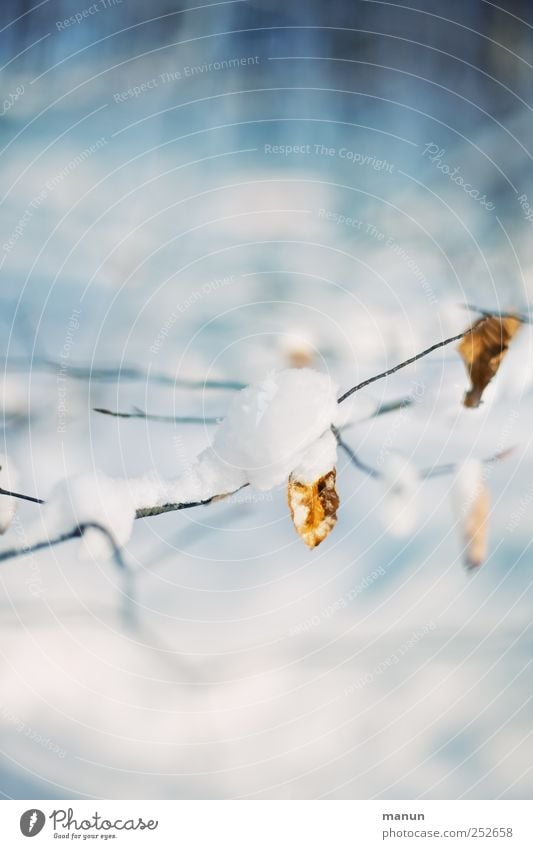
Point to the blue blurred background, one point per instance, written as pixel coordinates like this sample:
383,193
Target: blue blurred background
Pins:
212,192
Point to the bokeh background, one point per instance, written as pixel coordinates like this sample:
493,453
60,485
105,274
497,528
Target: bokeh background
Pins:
175,182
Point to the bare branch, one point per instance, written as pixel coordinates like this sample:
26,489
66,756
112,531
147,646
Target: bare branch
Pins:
525,319
75,533
451,468
354,459
405,363
141,414
21,496
425,474
115,373
392,407
38,546
145,512
142,513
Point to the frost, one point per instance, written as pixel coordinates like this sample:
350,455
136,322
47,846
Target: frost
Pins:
8,480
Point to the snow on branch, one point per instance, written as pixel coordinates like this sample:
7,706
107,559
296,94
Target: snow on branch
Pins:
285,429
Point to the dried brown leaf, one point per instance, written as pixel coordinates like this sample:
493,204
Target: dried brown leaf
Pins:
314,507
475,528
482,350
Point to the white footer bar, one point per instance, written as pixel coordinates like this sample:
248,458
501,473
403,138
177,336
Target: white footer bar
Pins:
268,824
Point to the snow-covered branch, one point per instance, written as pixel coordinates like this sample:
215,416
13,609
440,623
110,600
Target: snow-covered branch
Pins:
403,364
285,429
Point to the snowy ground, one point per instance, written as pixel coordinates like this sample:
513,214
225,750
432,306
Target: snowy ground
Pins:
373,665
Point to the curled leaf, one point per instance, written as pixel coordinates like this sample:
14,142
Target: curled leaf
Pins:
482,350
314,507
475,529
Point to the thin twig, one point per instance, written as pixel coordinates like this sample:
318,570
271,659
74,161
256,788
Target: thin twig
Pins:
405,363
146,512
8,553
21,496
114,373
392,407
451,468
75,533
78,531
171,507
424,474
525,319
363,467
141,414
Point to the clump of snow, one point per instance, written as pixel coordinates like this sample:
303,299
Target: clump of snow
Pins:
279,426
317,461
270,426
208,476
89,498
9,481
400,511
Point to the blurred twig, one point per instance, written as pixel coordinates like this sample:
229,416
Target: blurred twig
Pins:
401,365
141,414
525,319
424,474
112,374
